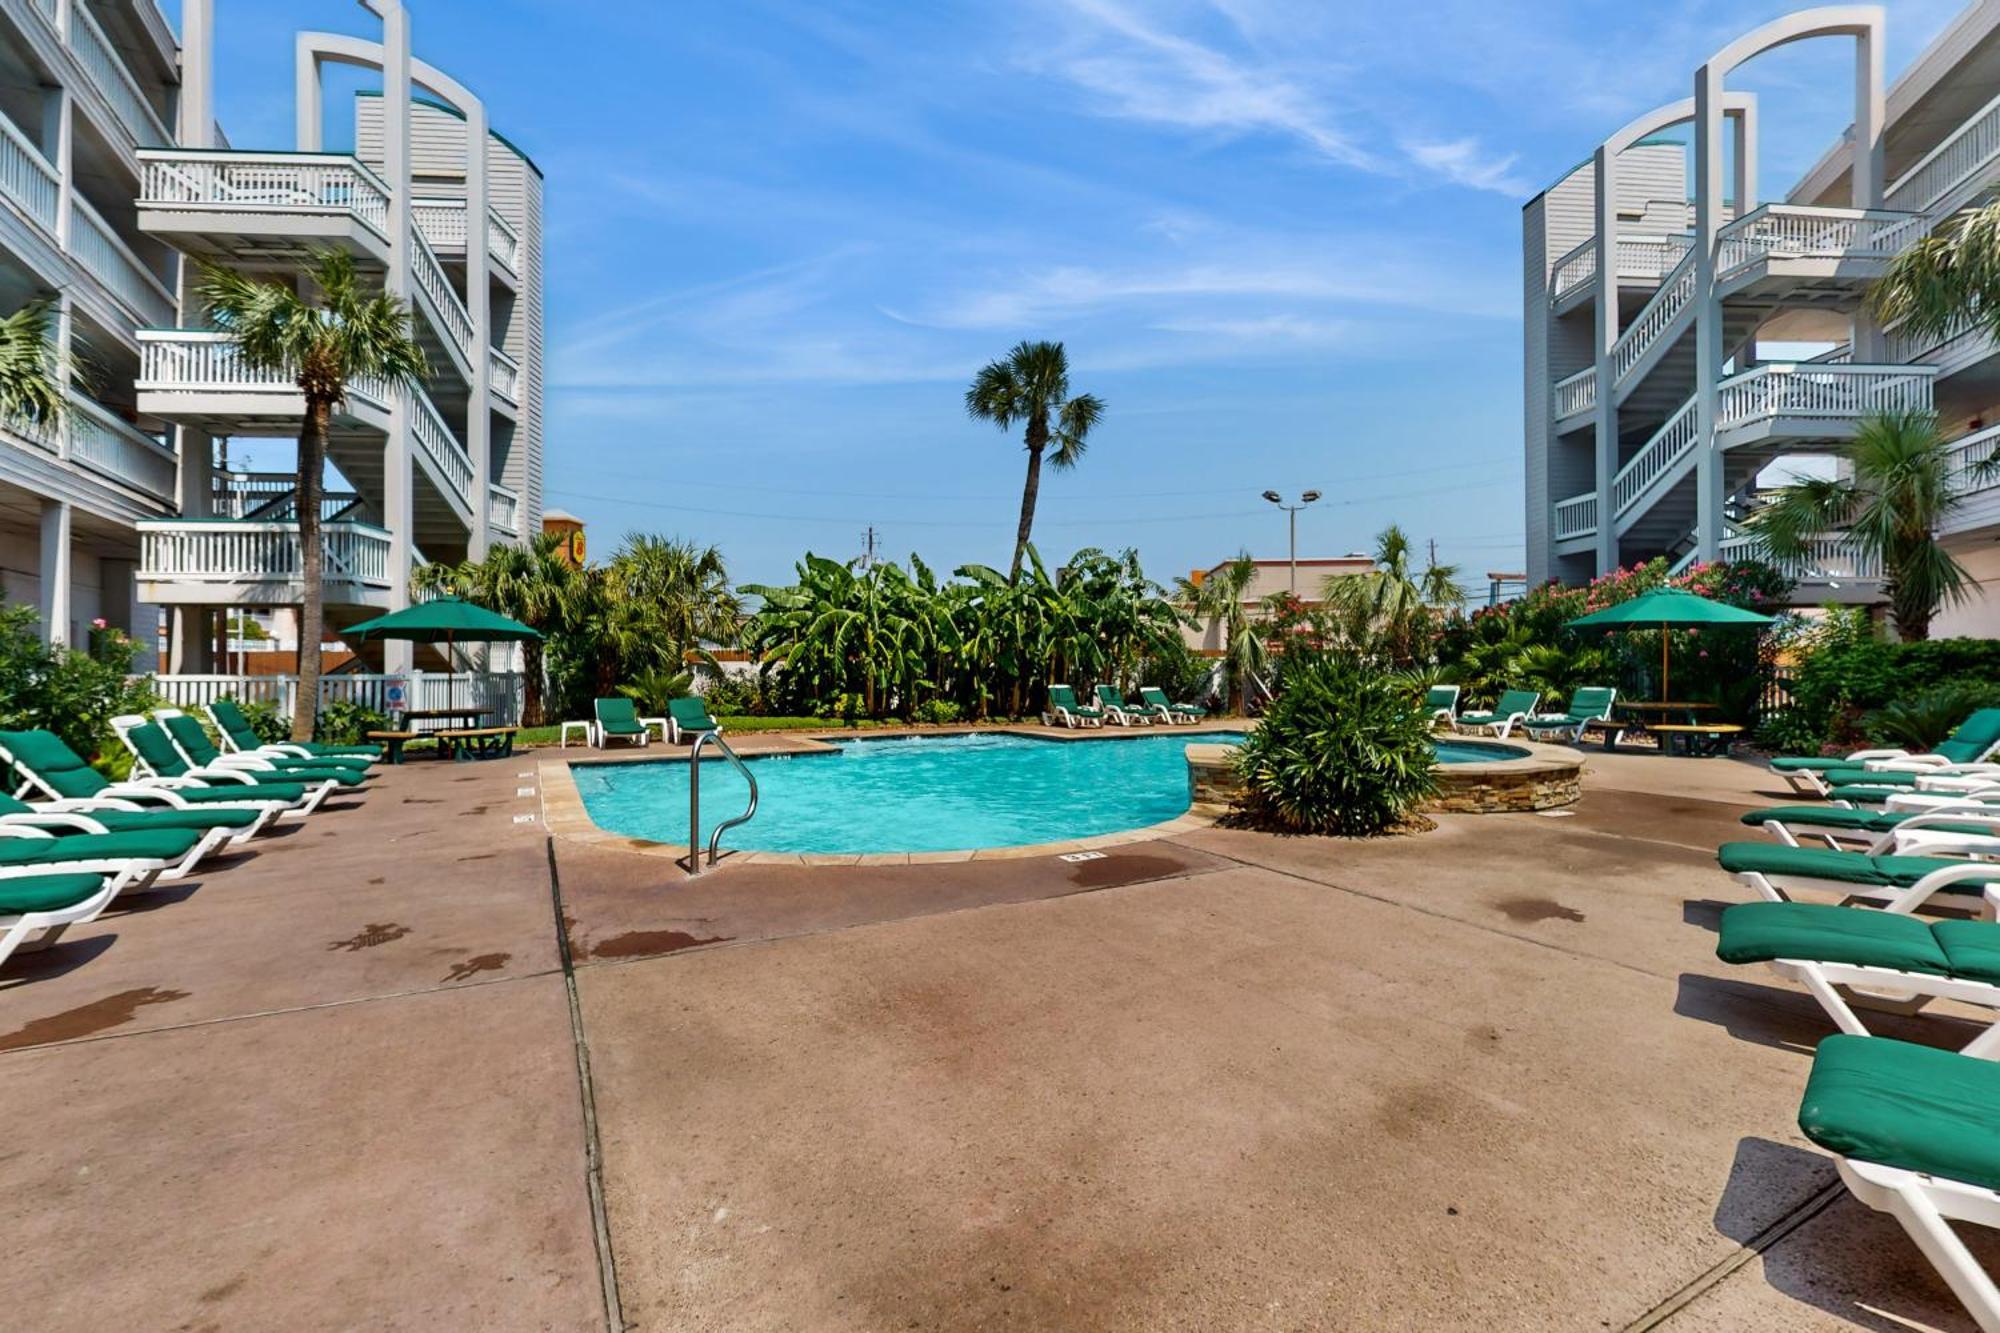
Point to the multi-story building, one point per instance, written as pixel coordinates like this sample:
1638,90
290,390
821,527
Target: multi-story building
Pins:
1661,296
432,204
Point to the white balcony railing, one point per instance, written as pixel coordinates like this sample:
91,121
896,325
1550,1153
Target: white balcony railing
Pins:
442,221
1821,391
228,551
441,446
27,178
503,509
105,444
1640,259
1668,446
1577,393
1576,516
1970,454
437,286
1829,555
241,494
101,60
1938,174
199,362
503,372
503,242
1795,231
112,262
230,181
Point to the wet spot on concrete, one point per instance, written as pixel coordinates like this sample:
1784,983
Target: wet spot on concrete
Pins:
379,879
1484,1034
1122,869
1529,910
473,966
370,936
479,856
478,810
422,800
90,1019
225,1290
645,943
1414,1110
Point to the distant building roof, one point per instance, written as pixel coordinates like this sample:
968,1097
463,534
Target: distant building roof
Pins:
559,516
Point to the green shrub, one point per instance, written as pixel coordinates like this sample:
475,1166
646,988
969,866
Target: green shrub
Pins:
70,693
1343,749
738,696
1178,671
1843,678
1919,721
936,712
344,722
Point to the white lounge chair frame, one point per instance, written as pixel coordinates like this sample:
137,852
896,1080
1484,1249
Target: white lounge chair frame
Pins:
16,928
215,776
136,873
1447,715
227,743
1498,727
1060,714
1926,1205
1812,782
1123,714
1974,875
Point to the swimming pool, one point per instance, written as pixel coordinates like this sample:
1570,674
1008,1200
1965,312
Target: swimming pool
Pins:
924,793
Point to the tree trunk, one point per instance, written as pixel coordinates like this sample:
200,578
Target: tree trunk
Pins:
531,684
1037,440
312,567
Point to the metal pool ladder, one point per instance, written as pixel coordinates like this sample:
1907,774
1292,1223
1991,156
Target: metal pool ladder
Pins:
695,866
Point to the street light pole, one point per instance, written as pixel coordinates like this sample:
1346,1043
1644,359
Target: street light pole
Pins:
1292,521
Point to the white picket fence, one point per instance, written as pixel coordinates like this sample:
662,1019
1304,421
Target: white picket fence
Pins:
498,691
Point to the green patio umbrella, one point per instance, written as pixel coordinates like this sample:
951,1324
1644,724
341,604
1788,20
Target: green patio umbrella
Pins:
445,621
1664,609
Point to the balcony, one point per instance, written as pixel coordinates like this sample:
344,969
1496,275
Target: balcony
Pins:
1833,561
442,453
145,299
229,562
123,464
1642,261
106,68
27,179
263,209
503,372
273,496
201,379
1794,252
1794,404
1575,398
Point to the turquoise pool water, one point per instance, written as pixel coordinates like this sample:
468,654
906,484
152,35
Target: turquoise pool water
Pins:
924,793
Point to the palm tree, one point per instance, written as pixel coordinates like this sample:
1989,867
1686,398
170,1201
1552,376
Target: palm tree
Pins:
1220,597
1389,608
1900,491
1032,386
1947,282
533,584
349,334
30,381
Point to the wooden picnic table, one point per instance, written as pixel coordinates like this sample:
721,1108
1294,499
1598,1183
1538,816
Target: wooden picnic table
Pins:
1713,737
451,717
392,743
462,743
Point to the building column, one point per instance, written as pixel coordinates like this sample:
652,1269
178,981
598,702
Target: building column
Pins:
398,470
1866,344
197,118
54,572
478,300
1708,352
1606,337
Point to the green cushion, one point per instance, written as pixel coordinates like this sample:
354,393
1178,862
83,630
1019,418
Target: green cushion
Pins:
119,821
1895,872
233,793
167,844
347,763
1863,821
619,717
1809,763
1872,777
1972,946
1974,737
1591,701
1914,1107
310,773
690,714
192,737
154,746
1821,933
1866,795
44,754
46,893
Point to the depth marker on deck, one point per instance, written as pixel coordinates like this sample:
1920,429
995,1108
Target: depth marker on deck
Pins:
524,791
1081,856
524,819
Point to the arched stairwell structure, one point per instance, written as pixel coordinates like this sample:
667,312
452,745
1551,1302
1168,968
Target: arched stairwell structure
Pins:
422,463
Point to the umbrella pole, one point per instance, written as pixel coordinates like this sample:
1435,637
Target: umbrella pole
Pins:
1666,693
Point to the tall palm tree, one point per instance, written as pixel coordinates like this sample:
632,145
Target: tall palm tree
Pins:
31,390
1220,598
1947,282
1900,492
1031,386
1390,607
533,584
348,333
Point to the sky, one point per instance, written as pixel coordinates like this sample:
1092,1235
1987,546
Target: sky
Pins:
1279,238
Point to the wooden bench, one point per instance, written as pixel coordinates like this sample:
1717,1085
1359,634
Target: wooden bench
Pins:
462,743
1612,729
1707,738
392,743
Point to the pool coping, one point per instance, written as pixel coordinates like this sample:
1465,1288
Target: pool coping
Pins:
564,814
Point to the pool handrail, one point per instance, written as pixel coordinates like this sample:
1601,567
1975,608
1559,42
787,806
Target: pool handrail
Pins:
694,800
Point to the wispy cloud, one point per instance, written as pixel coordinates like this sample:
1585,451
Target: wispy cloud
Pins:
1465,162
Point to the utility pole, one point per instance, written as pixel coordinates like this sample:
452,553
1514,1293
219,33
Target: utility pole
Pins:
868,553
1292,515
1434,552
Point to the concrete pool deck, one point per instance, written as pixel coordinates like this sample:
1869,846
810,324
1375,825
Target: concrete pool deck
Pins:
1492,1077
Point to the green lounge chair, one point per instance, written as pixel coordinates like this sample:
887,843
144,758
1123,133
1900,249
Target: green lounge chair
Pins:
191,740
1901,883
1887,956
1966,750
1441,702
46,764
1874,830
617,719
687,717
239,736
1934,791
115,816
1065,711
134,860
1590,704
1156,699
51,903
1514,708
1111,702
154,755
1917,1131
